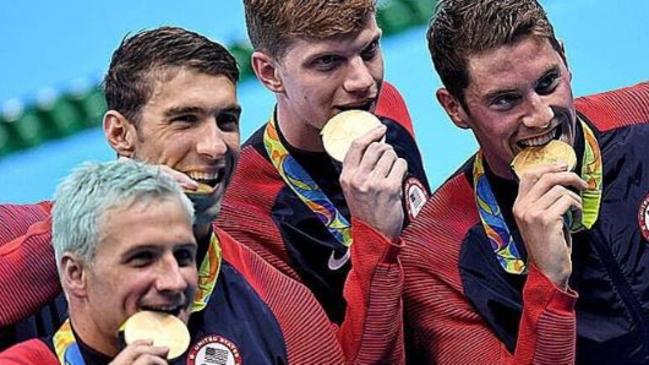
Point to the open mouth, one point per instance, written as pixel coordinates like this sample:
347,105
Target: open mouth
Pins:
211,179
173,310
367,105
541,140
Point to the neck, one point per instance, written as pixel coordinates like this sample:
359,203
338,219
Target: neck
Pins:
297,132
88,331
202,232
503,172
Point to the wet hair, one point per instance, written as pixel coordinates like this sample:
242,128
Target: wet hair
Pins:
145,56
86,197
274,24
461,28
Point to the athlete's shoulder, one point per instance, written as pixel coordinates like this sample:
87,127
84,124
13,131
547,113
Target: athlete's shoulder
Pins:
302,320
445,218
15,219
37,210
21,223
31,352
617,108
391,105
258,272
234,251
256,139
453,202
254,173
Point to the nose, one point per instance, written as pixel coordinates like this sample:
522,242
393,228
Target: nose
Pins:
359,77
539,113
170,278
210,141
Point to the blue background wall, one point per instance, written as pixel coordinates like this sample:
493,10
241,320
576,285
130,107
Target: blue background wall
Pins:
55,45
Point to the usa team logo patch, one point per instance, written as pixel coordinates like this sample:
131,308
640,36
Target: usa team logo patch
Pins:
415,195
214,350
643,217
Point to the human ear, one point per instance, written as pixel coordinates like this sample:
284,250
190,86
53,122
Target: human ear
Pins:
453,108
267,71
73,275
120,133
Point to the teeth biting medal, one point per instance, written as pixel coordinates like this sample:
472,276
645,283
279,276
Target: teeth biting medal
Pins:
203,189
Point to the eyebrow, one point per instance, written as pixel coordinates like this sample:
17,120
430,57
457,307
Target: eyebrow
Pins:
155,248
377,37
183,110
493,94
126,255
173,111
235,109
554,69
187,245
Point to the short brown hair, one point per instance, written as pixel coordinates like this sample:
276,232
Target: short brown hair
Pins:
461,28
130,79
273,24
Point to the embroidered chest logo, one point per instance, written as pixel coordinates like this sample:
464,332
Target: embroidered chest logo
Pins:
643,217
334,263
415,196
214,350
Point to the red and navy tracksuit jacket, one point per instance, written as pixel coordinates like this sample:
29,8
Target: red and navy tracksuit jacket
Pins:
263,213
462,308
265,316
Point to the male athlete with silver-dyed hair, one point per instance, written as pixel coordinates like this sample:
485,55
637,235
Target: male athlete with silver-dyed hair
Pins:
123,241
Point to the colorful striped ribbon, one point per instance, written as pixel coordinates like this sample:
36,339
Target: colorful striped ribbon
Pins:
66,347
305,187
208,274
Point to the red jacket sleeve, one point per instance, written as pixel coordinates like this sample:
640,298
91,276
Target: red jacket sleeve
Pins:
372,331
443,326
32,352
453,333
391,105
27,264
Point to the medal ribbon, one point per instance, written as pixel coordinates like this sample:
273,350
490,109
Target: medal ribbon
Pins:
207,274
591,172
65,345
305,187
495,225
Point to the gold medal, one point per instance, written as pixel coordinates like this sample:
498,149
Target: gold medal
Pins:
552,153
341,130
162,328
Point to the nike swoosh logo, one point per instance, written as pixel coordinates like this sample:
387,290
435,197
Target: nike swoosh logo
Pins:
334,263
